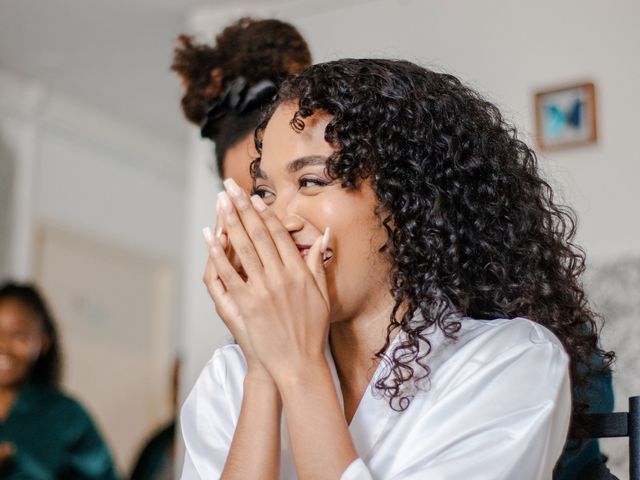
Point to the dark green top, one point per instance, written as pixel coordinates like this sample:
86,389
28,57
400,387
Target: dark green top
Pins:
55,439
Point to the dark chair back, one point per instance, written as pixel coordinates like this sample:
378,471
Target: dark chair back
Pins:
607,425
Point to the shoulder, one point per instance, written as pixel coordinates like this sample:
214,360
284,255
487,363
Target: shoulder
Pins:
61,412
504,334
502,383
57,402
516,347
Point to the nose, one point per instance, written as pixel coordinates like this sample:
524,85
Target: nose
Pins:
286,212
292,223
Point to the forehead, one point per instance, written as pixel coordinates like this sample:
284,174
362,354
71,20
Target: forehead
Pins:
13,312
282,144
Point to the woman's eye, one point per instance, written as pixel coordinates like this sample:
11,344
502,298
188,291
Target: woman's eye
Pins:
262,193
312,182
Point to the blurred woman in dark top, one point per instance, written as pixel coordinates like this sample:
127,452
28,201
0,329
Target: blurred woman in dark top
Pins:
44,434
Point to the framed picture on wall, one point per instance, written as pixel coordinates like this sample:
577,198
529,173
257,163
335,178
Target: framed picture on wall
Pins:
566,116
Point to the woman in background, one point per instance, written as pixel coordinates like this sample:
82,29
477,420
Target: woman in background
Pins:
228,85
44,434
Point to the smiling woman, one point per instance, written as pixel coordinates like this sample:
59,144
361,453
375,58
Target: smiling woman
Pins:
43,432
408,304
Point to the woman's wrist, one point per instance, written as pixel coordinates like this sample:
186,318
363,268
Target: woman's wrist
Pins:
315,416
303,374
259,377
263,390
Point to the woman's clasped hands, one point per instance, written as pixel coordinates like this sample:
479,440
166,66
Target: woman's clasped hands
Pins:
274,301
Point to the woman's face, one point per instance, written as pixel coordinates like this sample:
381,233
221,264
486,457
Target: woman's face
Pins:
293,181
22,341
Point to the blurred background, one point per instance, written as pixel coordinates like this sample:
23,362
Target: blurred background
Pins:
104,188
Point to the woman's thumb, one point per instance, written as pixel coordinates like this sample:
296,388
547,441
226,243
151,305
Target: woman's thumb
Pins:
315,262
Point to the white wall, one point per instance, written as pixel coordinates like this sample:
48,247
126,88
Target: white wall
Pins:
506,49
7,175
81,169
202,330
19,133
96,177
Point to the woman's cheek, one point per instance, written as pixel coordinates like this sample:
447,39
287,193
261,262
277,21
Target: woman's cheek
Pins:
334,207
329,211
30,350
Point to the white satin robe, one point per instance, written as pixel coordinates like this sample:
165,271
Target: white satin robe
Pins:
497,408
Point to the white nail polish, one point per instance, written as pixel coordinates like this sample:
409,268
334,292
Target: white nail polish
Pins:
206,233
325,240
258,203
224,203
232,187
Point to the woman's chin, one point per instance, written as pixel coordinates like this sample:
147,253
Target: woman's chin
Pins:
9,380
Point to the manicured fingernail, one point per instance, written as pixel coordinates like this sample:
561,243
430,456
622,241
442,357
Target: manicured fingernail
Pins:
219,232
228,211
239,197
258,203
208,236
325,240
224,203
232,187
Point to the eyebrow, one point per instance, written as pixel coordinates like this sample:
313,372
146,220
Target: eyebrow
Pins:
300,163
297,164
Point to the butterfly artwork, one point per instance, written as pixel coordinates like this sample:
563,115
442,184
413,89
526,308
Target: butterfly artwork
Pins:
566,117
558,119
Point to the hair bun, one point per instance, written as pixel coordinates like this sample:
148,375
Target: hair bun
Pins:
256,50
237,97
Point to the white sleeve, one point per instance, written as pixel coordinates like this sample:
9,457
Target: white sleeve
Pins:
356,471
207,423
508,420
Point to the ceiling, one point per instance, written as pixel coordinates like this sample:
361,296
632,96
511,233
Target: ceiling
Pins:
111,54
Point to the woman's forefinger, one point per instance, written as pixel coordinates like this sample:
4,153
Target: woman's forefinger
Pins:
210,272
281,237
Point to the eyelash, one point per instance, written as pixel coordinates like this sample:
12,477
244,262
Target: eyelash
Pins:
302,182
314,181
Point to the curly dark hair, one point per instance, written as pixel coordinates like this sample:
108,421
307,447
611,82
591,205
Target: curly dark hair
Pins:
472,227
254,49
48,368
